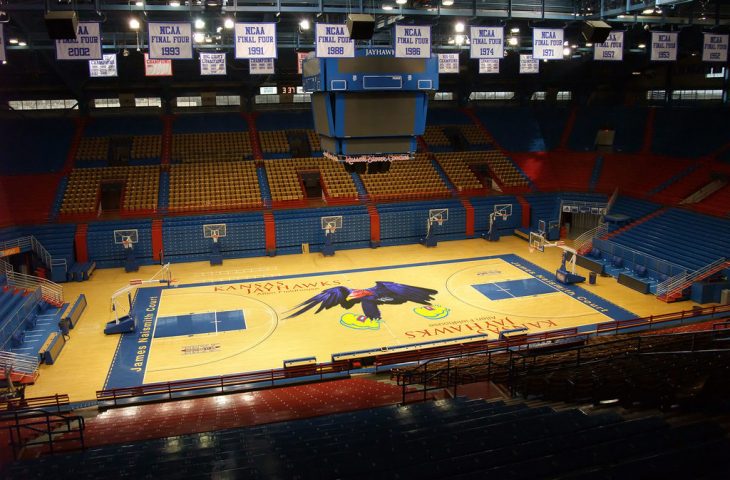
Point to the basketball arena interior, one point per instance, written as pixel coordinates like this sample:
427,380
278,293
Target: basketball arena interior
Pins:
407,239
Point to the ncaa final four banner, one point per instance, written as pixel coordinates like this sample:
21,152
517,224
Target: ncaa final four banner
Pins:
170,40
412,41
255,40
212,63
86,46
106,67
448,62
487,42
714,48
610,50
333,41
488,65
547,43
664,46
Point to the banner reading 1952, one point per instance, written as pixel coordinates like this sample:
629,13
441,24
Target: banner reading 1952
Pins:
170,40
86,45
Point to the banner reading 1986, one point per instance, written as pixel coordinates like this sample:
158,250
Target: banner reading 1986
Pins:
333,40
86,45
547,43
412,41
255,40
487,42
170,40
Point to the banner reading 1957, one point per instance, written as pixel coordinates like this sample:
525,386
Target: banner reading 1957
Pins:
170,40
255,40
86,45
412,41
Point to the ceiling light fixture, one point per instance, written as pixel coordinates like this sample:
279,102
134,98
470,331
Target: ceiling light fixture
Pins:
134,24
447,3
199,23
13,41
515,29
401,2
228,23
304,24
22,44
387,7
459,27
642,45
198,37
566,51
174,3
459,39
513,41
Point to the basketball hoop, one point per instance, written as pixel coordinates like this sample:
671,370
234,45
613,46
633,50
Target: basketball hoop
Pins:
531,249
127,243
214,236
440,221
330,229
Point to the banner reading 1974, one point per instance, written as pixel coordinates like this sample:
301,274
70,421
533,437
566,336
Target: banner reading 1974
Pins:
255,40
412,41
86,45
487,42
170,40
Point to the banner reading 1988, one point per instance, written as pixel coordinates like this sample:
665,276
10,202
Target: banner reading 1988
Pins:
412,41
255,40
547,43
333,40
487,42
86,45
170,40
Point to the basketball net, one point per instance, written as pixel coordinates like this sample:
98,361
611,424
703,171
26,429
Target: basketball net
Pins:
214,236
330,229
127,243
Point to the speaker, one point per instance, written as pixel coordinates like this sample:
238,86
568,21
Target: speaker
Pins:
62,25
360,26
595,31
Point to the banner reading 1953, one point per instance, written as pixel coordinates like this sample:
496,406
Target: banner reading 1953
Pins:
170,40
86,45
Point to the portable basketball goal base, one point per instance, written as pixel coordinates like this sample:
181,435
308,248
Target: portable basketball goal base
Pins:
215,232
330,225
436,219
566,273
124,318
501,211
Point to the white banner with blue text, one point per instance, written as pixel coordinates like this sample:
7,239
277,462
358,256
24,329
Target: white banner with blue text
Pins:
261,66
86,46
255,40
412,41
170,40
547,43
333,41
664,46
714,48
212,63
612,50
528,64
488,65
487,42
106,67
448,62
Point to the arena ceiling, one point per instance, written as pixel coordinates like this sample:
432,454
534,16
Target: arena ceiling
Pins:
31,63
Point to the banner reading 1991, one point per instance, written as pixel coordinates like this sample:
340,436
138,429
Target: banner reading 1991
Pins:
170,40
487,42
255,40
333,40
547,43
86,45
412,41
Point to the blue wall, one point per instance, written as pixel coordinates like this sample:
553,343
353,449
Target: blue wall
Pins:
103,250
295,227
629,124
404,223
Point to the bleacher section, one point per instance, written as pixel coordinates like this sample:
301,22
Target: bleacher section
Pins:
406,180
716,204
38,145
551,122
633,208
286,186
628,124
211,147
637,175
459,173
406,222
701,131
213,186
438,135
27,199
515,129
552,171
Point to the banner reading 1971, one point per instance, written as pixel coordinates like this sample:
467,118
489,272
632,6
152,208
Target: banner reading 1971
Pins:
333,41
487,42
664,46
547,43
714,48
255,40
412,41
170,40
610,50
86,45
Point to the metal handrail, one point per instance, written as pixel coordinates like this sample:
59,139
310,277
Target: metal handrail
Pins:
680,282
45,426
18,362
587,237
50,291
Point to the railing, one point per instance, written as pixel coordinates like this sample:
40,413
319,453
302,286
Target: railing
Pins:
16,362
586,238
45,428
704,192
5,268
31,243
677,283
52,402
17,321
636,257
50,291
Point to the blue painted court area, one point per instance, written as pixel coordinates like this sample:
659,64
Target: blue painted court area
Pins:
199,323
514,289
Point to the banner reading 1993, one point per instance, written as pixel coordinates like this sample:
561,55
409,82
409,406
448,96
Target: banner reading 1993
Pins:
487,42
86,46
412,41
547,43
714,48
255,40
610,50
170,40
333,41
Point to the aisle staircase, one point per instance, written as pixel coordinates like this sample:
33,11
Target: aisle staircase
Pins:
674,289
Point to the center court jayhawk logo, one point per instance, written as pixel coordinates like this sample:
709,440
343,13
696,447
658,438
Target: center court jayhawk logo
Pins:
383,293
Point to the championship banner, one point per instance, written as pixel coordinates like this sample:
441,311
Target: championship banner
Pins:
714,48
106,67
528,64
170,40
488,65
412,41
255,40
487,42
2,44
261,66
547,43
157,68
212,63
333,41
448,62
610,50
664,46
86,46
300,60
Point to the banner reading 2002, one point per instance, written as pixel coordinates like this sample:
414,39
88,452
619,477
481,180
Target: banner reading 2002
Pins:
170,41
86,45
255,40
